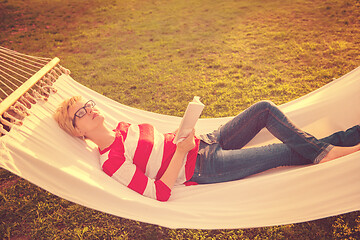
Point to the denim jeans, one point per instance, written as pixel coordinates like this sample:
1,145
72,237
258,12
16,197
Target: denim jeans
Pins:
222,157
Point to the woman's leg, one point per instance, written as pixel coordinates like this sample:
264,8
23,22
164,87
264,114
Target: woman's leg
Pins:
217,165
239,131
345,142
348,138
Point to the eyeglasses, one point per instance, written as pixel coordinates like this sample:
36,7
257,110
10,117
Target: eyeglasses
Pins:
82,111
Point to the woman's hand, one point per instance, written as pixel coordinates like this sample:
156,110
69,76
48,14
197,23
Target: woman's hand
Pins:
187,144
182,148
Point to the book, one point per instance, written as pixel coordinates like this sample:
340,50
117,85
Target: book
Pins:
191,115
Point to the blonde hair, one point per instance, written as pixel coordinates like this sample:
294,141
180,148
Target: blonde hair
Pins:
63,118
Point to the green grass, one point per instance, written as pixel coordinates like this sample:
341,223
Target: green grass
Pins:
157,54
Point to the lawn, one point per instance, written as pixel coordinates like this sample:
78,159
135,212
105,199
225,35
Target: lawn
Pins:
155,55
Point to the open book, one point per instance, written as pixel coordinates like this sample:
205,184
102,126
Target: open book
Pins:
191,115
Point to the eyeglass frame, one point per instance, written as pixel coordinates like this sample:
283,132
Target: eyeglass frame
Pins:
84,107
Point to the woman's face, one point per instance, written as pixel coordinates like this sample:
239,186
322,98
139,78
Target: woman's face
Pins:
88,117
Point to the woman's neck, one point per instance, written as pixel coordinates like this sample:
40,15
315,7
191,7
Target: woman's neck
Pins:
102,137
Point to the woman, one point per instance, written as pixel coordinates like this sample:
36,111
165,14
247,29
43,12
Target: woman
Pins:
149,163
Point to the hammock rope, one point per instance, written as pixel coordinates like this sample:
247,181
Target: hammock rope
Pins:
24,56
24,80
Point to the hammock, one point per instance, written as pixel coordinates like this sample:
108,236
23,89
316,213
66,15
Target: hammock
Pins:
42,153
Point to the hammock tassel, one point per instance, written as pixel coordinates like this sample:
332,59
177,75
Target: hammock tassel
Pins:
47,80
6,122
13,119
51,89
46,88
64,70
25,101
21,108
38,96
54,74
21,112
43,92
51,77
2,130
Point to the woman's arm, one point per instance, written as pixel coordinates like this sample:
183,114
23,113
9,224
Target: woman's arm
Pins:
182,148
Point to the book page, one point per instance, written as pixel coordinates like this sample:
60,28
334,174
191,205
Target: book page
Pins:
191,115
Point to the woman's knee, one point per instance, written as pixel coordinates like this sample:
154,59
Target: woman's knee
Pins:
265,104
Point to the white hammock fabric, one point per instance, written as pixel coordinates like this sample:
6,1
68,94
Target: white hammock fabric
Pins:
42,153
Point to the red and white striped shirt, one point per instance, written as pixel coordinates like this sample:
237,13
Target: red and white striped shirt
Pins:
140,155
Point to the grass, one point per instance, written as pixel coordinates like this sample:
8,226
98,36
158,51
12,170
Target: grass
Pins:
157,54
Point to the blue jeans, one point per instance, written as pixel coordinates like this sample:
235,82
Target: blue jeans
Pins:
222,158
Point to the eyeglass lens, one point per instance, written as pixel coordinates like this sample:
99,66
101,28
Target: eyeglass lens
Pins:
82,111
